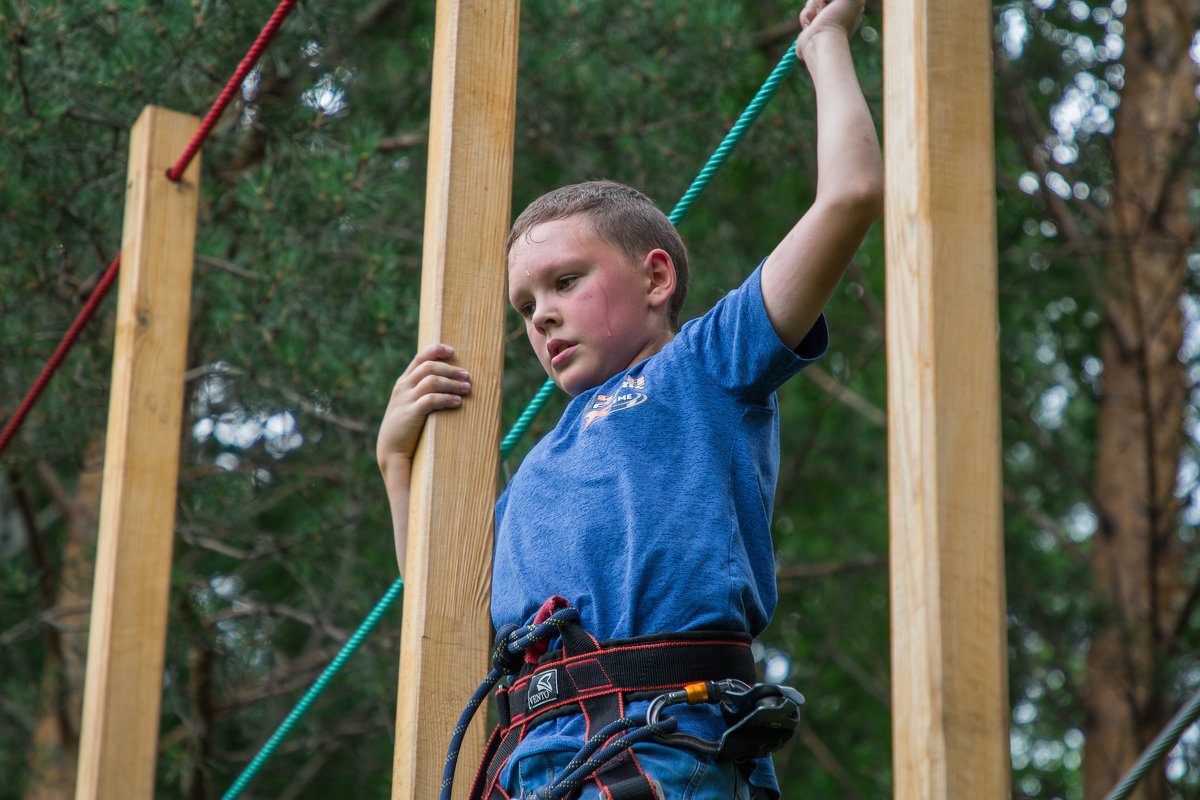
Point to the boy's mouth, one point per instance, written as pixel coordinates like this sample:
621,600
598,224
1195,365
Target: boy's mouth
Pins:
559,350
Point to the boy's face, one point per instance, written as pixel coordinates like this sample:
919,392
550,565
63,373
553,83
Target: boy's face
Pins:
589,312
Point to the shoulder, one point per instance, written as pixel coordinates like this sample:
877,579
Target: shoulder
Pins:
737,346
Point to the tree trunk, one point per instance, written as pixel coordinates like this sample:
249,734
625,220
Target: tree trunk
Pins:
1138,590
55,747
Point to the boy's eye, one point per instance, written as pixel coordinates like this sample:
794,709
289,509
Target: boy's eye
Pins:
525,310
567,281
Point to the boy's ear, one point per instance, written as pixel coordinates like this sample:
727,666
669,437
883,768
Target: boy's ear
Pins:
660,272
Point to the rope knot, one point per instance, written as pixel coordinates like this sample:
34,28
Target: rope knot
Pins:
553,614
516,645
504,658
536,638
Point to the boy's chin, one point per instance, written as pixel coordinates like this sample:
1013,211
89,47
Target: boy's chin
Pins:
571,389
574,386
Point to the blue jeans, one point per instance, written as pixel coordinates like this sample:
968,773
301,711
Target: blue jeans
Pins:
683,774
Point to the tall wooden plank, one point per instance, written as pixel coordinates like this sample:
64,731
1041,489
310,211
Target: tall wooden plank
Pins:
949,695
445,634
123,688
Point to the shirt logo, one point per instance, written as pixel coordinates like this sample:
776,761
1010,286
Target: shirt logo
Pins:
543,690
627,396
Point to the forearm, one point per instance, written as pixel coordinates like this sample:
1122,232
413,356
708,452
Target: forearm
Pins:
849,161
397,475
803,271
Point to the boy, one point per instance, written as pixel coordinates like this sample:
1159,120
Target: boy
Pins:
648,506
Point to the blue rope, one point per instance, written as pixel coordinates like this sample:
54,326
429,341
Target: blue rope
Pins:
588,765
348,649
598,739
699,183
511,644
460,729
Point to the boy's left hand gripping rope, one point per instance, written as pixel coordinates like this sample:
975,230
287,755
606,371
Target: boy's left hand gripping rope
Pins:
174,173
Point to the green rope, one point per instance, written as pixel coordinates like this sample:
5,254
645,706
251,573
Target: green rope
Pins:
518,429
743,123
735,135
1158,748
314,691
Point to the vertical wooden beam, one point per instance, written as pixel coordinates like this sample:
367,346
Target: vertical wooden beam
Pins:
123,689
445,634
949,688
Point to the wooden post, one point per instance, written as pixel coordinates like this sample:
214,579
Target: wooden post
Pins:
949,688
123,689
445,634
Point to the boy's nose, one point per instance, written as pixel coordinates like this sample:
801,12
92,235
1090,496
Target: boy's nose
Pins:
544,317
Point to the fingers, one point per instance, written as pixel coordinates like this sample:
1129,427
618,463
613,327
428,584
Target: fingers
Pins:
433,392
458,383
431,354
430,363
821,16
851,10
810,11
433,376
430,383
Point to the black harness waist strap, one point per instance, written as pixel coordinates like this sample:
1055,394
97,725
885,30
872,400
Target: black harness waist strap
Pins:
637,668
598,680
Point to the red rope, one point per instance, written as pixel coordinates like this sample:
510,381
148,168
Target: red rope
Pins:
231,88
174,173
64,347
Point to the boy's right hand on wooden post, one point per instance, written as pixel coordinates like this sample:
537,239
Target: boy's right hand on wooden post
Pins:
429,384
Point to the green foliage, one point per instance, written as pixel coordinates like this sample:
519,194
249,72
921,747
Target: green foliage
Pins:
1049,326
1060,75
304,312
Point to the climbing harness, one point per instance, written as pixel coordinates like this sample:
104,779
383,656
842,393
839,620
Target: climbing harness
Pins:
598,680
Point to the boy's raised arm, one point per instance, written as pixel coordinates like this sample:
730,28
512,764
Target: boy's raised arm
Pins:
802,272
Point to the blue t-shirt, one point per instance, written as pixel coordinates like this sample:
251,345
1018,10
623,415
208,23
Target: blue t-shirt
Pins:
648,507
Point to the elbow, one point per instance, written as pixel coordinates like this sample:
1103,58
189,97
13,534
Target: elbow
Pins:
875,203
858,201
867,194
